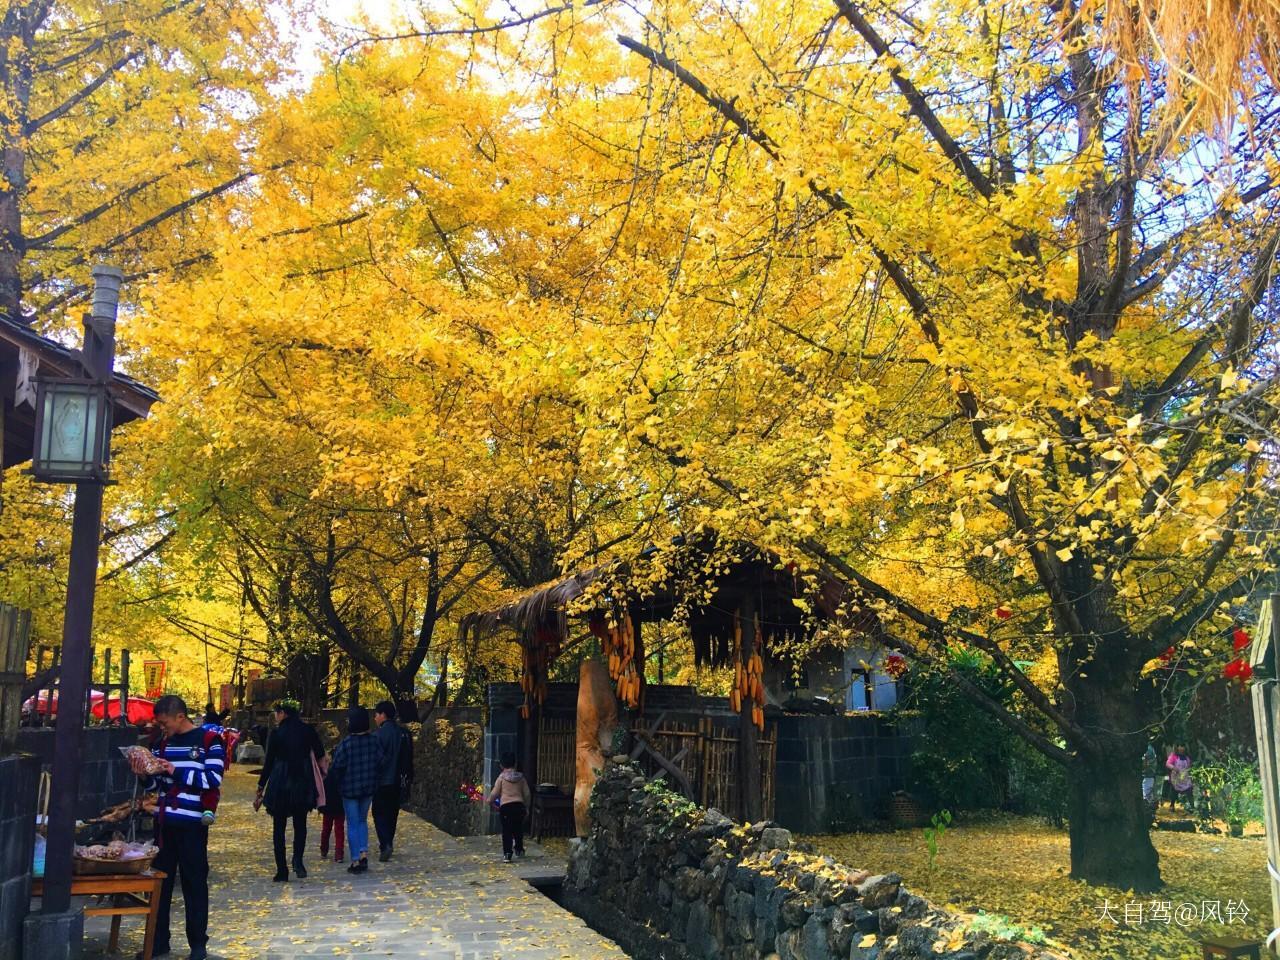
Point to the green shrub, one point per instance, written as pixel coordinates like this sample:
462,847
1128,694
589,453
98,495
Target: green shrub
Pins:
1037,785
966,759
1229,788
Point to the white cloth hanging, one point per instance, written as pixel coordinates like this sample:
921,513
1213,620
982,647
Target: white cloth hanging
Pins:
25,389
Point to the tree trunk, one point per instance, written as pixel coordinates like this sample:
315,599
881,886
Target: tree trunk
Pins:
406,708
1109,824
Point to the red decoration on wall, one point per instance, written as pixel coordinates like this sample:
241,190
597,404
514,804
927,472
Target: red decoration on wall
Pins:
895,665
1239,670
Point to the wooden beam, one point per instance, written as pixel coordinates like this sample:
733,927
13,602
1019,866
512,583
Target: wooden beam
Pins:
1266,722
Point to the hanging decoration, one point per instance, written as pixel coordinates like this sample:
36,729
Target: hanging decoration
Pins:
153,672
536,654
1239,669
619,646
895,665
748,681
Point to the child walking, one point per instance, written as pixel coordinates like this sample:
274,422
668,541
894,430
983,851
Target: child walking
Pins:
334,820
511,790
1179,766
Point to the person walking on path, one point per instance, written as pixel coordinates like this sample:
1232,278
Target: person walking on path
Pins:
1149,769
334,819
357,765
511,790
288,783
193,763
394,778
1179,766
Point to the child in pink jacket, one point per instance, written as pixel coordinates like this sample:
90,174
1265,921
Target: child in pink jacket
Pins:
511,790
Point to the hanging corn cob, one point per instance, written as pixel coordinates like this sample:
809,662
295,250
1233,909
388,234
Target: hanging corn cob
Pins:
619,645
537,652
748,680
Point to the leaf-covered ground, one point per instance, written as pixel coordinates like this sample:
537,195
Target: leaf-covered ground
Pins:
1017,867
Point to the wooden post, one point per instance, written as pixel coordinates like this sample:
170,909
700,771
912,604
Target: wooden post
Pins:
353,686
749,787
15,638
636,624
106,686
88,685
124,687
1266,716
40,649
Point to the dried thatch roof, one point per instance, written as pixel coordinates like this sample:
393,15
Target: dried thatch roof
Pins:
695,582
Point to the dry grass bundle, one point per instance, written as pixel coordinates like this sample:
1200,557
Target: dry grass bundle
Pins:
1217,51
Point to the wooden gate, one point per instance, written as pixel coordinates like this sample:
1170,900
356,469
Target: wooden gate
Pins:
557,752
704,748
15,640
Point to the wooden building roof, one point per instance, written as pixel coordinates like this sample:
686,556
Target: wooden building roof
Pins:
131,399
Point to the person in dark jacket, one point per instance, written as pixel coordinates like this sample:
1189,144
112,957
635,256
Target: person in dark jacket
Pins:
287,784
357,765
389,795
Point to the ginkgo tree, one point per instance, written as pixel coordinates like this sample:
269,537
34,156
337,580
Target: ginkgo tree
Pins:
924,292
122,121
352,427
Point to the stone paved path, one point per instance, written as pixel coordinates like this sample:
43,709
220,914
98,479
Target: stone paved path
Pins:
438,899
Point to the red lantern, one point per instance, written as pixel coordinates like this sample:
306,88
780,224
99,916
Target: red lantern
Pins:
1239,639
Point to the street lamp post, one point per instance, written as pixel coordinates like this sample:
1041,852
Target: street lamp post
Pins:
70,424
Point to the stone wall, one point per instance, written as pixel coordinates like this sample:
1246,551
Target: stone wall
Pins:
105,779
666,879
837,771
19,776
444,755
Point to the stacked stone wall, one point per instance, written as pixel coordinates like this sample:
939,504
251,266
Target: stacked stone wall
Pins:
444,756
669,880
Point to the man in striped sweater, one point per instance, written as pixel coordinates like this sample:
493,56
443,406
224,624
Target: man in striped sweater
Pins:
193,760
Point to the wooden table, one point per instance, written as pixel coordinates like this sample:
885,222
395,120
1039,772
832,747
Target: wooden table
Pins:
131,894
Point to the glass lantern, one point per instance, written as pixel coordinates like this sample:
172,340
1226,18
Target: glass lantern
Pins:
73,431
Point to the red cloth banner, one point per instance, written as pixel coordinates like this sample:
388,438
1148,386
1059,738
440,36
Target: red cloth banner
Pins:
153,676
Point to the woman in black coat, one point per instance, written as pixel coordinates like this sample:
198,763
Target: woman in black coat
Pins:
287,784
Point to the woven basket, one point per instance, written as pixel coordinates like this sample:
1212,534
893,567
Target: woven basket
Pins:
84,866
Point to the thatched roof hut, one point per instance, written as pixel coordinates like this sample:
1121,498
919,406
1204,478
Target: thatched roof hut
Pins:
703,583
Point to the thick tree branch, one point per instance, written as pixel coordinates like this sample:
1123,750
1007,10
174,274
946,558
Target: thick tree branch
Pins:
84,93
1046,567
919,106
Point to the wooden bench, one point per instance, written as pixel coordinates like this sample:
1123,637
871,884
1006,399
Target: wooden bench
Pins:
135,894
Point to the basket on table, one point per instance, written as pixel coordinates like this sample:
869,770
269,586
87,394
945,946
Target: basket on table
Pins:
89,866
